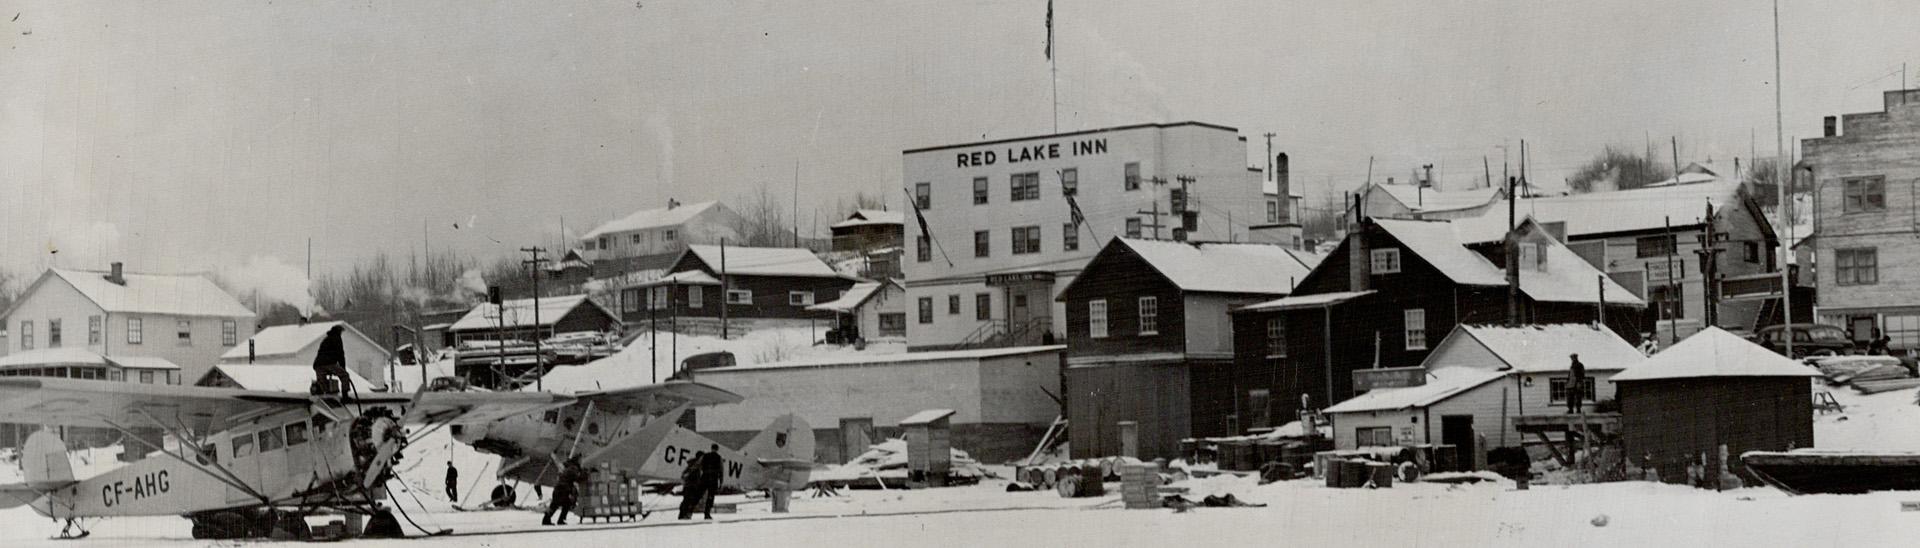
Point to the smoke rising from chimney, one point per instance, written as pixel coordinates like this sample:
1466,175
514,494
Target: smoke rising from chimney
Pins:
273,279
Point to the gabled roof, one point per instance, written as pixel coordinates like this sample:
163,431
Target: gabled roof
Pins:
287,340
1565,278
175,294
520,312
1713,352
652,218
1642,209
1441,384
1537,348
279,378
1429,200
764,261
1435,242
865,217
1222,267
1306,301
854,297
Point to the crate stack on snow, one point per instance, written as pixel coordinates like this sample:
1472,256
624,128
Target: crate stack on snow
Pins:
1867,374
611,500
1140,485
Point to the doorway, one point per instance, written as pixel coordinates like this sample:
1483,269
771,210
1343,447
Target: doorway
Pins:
1457,431
856,435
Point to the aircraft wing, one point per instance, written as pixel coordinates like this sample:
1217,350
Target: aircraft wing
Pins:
654,399
473,407
102,404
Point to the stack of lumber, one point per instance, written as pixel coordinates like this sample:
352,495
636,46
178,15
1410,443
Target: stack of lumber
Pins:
1866,374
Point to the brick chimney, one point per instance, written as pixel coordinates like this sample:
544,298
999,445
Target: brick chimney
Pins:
1832,124
672,203
118,275
1281,185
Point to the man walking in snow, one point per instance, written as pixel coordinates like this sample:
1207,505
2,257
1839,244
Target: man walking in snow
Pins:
1577,385
712,471
692,486
453,481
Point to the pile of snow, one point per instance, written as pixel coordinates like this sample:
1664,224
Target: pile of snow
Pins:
1888,421
888,459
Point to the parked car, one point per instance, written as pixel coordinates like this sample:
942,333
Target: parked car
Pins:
1808,339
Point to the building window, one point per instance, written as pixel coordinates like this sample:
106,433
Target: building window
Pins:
1866,194
146,377
26,334
1276,338
1903,329
1273,211
1097,318
923,195
953,304
926,310
1753,252
229,333
1386,261
1653,246
1026,186
603,243
1259,408
53,333
800,298
1069,237
1416,328
183,332
134,336
696,296
1026,239
662,297
1133,227
979,190
1373,436
1858,266
740,296
982,244
983,306
1668,300
1149,315
1069,182
1133,175
94,323
923,248
671,235
893,324
630,300
635,239
1557,389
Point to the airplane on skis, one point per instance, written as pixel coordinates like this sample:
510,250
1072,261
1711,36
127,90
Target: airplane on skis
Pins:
241,463
641,437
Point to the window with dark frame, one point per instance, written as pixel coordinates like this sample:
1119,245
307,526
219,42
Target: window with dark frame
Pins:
1276,338
982,244
1133,176
1557,389
1416,328
184,332
1753,252
26,334
1386,261
1097,318
1865,194
980,190
1026,239
1856,266
953,304
983,306
1373,436
923,195
94,326
893,324
1069,182
53,333
1273,211
926,310
1069,237
134,334
1654,246
1133,227
1025,186
229,333
1669,301
1149,309
923,248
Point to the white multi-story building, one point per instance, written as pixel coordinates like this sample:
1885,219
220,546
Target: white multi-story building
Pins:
182,322
1003,241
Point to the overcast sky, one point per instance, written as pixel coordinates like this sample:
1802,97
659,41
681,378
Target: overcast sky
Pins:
196,135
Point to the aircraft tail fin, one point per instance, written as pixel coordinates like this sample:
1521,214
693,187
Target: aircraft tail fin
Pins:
43,461
786,445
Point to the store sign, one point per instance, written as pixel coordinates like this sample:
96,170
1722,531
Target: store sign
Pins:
1657,273
1019,277
1029,153
1391,377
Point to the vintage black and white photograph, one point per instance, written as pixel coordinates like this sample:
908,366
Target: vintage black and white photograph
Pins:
901,273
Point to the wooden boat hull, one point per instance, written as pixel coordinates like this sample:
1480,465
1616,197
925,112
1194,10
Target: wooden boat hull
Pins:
1832,472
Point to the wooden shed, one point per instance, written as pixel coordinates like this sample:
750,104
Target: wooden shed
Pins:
1710,391
929,453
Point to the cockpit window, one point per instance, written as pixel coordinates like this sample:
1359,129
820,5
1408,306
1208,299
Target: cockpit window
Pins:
296,433
243,445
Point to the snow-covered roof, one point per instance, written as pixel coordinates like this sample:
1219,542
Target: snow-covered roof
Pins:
887,359
685,277
279,378
1308,301
285,340
175,294
75,356
1606,212
520,313
1222,267
852,299
1564,278
1692,174
651,218
763,261
1534,348
1713,352
1430,200
1441,384
1435,242
927,416
866,217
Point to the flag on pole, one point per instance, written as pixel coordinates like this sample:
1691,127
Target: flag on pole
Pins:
1078,217
1049,30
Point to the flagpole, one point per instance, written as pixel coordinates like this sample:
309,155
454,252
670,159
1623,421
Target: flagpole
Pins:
1053,69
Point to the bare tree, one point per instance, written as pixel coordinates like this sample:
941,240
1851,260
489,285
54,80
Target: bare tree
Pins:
764,221
1617,169
10,288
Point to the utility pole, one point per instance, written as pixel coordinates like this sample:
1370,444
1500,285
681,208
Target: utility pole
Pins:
1155,213
1513,262
1189,219
1487,169
724,289
1420,190
533,269
1781,178
1270,174
1710,270
1676,305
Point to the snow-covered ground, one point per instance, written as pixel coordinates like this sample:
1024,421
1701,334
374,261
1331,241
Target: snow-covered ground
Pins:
1301,513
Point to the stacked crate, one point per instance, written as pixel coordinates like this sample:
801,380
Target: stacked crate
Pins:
1140,485
611,500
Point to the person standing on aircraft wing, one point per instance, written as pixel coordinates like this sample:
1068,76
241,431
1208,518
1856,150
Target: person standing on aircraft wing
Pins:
712,472
692,486
331,363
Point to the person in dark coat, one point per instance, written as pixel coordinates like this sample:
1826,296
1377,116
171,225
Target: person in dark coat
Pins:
331,361
712,472
1878,346
1576,386
692,486
453,482
566,492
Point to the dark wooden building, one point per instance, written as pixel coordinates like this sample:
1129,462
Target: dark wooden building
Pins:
1712,390
1393,288
1148,341
564,314
759,283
